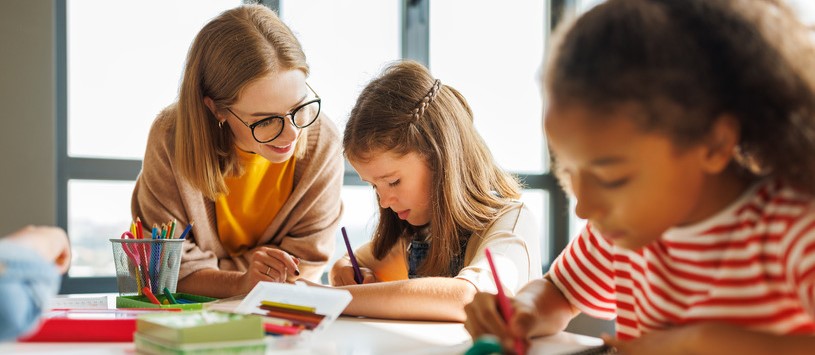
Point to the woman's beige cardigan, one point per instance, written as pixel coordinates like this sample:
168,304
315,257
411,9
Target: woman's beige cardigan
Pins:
304,227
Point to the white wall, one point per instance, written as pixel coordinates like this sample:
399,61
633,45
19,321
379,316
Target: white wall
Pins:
27,114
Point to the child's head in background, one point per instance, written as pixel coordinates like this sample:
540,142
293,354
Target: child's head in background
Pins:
661,113
412,138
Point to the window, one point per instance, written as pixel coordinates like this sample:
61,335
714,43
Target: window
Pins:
495,67
94,220
122,70
499,79
346,43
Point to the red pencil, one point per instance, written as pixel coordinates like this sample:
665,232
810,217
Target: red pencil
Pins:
282,329
503,302
139,233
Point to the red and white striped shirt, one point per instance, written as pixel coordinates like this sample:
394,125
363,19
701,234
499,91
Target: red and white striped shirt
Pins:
752,264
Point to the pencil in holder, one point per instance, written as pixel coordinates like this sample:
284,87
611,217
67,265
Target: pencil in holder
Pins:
152,263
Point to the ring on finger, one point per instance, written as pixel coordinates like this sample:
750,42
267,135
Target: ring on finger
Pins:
269,268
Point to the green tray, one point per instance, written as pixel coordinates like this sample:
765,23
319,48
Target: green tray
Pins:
143,302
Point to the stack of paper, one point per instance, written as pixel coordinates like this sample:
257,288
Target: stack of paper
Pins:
202,332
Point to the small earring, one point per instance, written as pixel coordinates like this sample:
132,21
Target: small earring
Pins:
220,124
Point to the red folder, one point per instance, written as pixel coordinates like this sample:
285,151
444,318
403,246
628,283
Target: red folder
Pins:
88,325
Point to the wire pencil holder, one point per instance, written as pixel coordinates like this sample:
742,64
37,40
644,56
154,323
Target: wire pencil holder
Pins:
152,263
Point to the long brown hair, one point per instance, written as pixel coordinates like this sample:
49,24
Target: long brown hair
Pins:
406,110
235,48
686,62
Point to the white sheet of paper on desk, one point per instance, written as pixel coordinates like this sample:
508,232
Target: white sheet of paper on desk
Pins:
329,302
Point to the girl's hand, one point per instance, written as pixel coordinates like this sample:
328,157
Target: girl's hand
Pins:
483,317
269,264
342,273
50,242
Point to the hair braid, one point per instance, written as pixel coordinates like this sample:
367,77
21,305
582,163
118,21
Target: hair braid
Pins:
426,100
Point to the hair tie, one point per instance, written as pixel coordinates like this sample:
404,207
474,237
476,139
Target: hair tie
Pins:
426,100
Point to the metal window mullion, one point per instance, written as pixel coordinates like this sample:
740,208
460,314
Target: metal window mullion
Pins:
416,31
61,95
102,169
559,221
272,4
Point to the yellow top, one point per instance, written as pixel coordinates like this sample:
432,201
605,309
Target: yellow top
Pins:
392,267
253,201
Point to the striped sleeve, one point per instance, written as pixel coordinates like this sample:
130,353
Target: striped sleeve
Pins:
584,274
799,259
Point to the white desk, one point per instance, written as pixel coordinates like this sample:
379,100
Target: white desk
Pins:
365,336
346,336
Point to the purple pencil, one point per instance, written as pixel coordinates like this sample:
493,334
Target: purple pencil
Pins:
357,272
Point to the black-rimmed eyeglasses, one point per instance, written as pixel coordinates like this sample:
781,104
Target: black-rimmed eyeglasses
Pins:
269,128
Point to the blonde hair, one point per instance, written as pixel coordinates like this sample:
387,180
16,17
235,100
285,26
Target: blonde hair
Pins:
406,110
237,47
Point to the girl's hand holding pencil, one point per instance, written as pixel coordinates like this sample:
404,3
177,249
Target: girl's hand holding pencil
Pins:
347,271
342,274
511,320
485,318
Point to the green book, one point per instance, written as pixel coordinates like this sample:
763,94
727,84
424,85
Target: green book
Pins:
149,345
200,327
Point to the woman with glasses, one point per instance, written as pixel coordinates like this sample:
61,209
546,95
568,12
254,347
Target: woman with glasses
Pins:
244,154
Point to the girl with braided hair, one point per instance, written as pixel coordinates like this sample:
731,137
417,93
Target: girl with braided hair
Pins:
442,199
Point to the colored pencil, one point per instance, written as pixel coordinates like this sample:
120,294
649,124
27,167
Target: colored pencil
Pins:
171,234
186,230
169,296
282,329
151,296
288,306
503,301
357,271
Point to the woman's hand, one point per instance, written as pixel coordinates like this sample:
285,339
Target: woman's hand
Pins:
50,242
269,264
342,273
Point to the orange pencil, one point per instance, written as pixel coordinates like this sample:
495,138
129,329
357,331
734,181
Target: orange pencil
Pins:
171,234
150,296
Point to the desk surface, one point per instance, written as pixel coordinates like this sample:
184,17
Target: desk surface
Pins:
347,336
